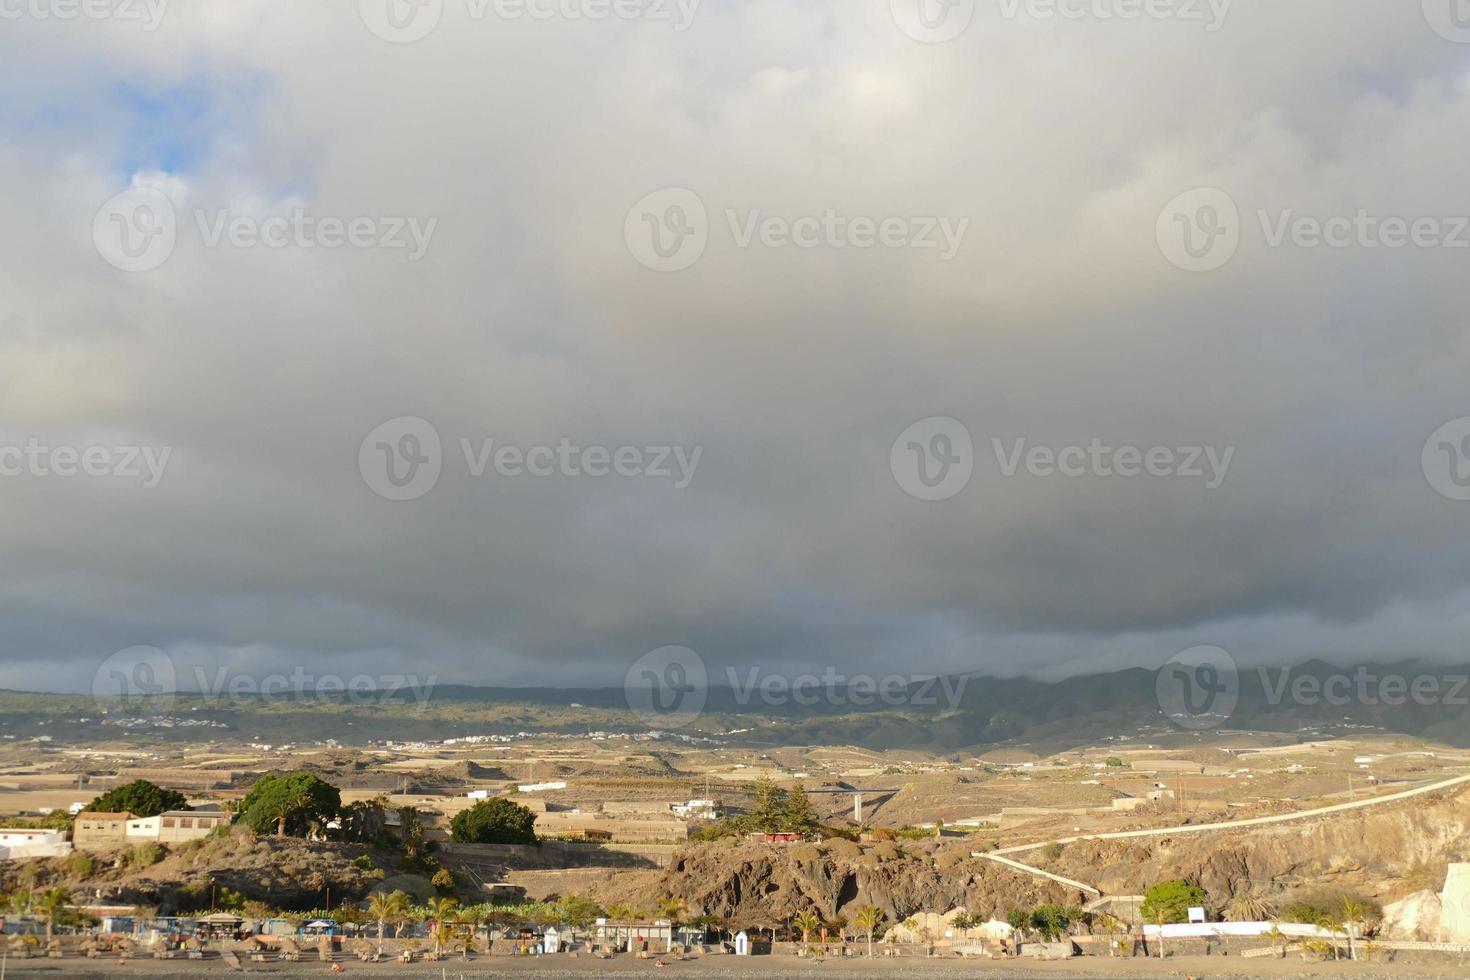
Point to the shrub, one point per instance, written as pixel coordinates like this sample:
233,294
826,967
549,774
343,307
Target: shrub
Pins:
1311,906
80,865
145,855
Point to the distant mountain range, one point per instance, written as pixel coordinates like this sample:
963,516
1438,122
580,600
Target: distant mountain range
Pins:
1414,698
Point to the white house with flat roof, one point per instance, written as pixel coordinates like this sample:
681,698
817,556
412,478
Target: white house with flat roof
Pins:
17,843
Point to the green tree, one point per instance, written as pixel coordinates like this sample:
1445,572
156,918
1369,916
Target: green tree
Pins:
441,911
411,831
869,918
1333,925
140,798
578,910
443,881
52,905
1020,922
1170,901
770,806
808,923
1278,938
674,909
1051,921
364,821
796,812
1354,914
385,908
497,821
289,803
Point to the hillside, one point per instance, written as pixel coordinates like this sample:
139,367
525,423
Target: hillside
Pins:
989,712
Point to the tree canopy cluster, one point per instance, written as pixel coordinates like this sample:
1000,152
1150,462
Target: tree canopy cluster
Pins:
780,810
291,803
140,798
496,821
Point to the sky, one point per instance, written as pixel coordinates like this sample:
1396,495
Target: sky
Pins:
510,343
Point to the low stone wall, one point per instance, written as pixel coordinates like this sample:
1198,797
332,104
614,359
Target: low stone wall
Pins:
553,855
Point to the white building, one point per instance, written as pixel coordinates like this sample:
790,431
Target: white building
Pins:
16,844
696,810
176,825
540,787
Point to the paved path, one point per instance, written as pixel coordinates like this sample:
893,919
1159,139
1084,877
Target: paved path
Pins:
1037,871
1200,828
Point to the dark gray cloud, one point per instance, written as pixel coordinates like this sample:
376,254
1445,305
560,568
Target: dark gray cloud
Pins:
529,321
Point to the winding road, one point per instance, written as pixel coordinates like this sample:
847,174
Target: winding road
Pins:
1199,828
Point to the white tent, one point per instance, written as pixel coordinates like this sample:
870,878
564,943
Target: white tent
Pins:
551,941
742,944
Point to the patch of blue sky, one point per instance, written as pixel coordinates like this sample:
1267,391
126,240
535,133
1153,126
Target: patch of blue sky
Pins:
175,127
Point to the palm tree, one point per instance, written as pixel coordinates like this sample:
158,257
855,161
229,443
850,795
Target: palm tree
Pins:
440,910
443,936
387,908
868,919
673,909
808,922
1353,914
1248,907
470,917
52,903
1333,926
1278,938
19,902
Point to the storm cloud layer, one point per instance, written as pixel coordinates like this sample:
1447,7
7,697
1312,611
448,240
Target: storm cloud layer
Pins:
773,235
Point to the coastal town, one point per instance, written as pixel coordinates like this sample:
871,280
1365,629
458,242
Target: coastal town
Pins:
621,847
